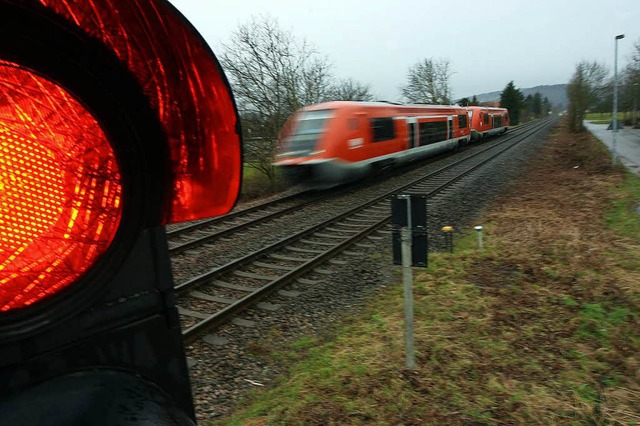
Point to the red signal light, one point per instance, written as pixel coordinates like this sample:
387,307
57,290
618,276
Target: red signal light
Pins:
60,188
186,88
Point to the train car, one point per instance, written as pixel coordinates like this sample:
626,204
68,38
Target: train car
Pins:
487,121
328,144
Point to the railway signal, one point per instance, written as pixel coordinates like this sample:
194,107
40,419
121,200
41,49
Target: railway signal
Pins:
115,120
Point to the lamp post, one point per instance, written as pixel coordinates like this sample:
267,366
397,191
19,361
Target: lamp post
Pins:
615,100
635,105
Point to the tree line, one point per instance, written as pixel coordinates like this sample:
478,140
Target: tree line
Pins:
591,89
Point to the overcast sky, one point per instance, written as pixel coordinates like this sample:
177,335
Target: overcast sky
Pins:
488,43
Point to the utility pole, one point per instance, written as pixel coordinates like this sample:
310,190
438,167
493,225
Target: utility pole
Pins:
635,105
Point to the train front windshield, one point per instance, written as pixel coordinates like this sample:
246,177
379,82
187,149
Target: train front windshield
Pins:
308,129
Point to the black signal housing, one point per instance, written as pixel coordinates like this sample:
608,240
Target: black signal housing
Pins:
74,357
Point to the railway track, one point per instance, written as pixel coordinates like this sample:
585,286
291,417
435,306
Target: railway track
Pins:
196,234
213,298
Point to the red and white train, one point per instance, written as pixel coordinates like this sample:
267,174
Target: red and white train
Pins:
336,142
487,121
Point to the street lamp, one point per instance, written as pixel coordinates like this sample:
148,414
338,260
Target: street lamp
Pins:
635,105
615,99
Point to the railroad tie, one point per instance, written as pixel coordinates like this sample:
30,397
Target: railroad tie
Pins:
351,231
214,340
243,322
210,298
274,266
255,276
269,307
317,243
230,286
304,250
192,314
332,236
289,293
291,259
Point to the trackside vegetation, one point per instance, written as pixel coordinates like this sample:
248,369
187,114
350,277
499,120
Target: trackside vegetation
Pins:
255,184
540,327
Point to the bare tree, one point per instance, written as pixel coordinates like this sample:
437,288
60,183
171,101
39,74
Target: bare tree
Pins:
631,83
585,88
272,75
428,82
350,90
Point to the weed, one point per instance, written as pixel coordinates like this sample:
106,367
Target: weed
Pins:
569,301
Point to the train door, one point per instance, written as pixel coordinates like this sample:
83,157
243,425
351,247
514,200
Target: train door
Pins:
450,121
411,131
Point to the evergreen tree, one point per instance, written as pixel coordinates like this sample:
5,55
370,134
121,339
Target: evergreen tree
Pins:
546,106
474,101
464,102
536,105
528,103
512,99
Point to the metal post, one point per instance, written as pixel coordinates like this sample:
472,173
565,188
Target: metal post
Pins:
407,279
635,105
448,237
479,237
615,100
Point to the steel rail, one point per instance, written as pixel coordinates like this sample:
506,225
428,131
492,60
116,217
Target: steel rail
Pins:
222,316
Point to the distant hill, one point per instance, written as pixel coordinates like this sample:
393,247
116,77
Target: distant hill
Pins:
557,94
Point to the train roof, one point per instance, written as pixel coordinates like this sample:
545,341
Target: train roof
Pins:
486,107
380,105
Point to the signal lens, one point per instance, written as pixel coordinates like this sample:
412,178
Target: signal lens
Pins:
60,188
185,86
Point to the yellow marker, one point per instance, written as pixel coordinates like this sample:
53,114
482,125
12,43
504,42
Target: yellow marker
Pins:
447,229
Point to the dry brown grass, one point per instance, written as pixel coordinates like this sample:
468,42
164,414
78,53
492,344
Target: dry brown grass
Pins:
554,244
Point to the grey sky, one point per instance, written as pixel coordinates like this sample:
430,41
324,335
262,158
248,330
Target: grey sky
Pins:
488,43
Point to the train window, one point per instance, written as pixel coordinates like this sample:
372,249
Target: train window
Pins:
312,121
303,140
486,118
497,121
462,121
383,129
432,132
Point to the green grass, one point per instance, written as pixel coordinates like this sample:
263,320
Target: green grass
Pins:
624,214
256,184
605,116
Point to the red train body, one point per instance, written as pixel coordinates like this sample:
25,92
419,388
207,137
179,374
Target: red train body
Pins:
336,142
487,121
